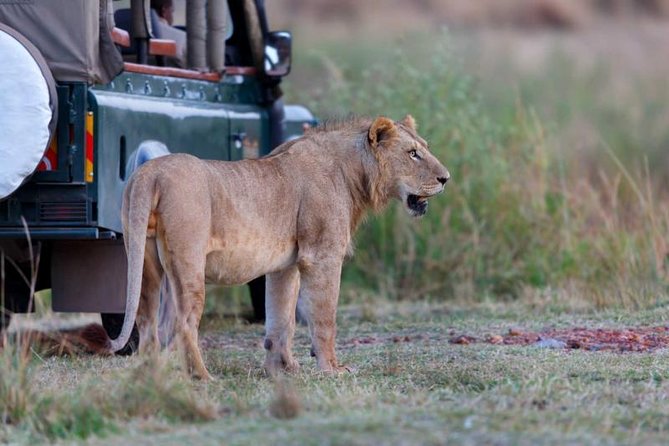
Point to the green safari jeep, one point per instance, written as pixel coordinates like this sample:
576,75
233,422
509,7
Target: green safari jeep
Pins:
90,90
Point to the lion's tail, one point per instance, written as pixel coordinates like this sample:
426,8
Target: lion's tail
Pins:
137,204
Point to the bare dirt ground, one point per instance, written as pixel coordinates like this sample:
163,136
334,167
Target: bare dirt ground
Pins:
633,339
57,335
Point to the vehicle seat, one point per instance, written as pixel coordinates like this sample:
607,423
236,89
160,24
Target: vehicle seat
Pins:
123,20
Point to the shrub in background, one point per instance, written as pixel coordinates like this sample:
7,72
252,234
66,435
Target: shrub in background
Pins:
521,211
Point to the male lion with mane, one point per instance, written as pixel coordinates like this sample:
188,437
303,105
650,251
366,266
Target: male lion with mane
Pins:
290,216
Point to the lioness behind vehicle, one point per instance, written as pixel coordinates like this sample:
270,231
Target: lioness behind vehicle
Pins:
290,215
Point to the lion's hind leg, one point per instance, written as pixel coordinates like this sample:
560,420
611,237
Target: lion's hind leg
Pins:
281,300
147,313
186,280
191,305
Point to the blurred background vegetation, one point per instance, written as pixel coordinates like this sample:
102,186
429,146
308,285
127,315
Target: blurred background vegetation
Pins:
552,116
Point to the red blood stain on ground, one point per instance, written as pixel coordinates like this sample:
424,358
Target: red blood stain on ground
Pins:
640,339
394,339
635,339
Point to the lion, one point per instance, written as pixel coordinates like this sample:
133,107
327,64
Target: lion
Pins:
290,216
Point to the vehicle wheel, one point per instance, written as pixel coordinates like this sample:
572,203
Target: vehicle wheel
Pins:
30,103
113,323
257,289
5,320
13,301
16,292
17,296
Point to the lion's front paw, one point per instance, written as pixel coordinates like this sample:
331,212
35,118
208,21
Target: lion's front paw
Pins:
291,366
202,375
342,370
335,369
274,366
347,369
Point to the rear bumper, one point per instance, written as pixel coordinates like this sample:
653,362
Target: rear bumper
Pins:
46,233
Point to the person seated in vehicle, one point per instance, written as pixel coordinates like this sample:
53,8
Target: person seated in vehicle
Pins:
165,11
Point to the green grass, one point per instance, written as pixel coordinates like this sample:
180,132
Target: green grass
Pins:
424,391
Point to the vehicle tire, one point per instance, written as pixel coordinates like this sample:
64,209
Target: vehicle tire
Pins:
30,104
17,293
17,299
113,323
257,289
17,296
5,321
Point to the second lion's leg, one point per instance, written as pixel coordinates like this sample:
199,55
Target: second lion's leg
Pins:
280,302
147,313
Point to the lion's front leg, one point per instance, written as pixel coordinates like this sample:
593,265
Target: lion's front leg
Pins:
280,302
320,292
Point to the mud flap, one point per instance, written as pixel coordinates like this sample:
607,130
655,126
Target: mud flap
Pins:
89,276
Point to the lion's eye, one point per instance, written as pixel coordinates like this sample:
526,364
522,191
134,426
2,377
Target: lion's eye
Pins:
414,155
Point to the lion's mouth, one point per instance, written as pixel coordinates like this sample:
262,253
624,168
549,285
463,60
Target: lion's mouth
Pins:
417,205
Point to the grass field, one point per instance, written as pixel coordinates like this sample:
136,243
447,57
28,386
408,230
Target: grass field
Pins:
411,386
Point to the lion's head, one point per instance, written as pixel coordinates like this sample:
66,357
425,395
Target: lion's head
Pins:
409,171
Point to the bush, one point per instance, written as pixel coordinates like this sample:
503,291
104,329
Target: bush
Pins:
518,211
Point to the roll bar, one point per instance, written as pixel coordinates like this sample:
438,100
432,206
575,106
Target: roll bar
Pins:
141,28
205,25
206,30
216,17
196,26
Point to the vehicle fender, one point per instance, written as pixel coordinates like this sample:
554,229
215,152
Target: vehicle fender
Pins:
297,119
146,151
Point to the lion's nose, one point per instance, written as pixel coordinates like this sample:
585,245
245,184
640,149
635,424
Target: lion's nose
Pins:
443,180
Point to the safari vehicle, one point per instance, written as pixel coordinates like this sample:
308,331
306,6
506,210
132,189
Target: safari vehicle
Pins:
88,92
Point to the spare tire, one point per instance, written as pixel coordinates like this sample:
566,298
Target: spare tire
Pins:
29,109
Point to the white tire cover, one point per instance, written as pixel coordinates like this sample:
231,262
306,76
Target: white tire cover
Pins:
28,105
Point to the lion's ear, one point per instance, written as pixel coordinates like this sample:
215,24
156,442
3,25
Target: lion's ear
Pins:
381,129
409,121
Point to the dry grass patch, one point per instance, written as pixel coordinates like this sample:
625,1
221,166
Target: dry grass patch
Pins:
100,401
